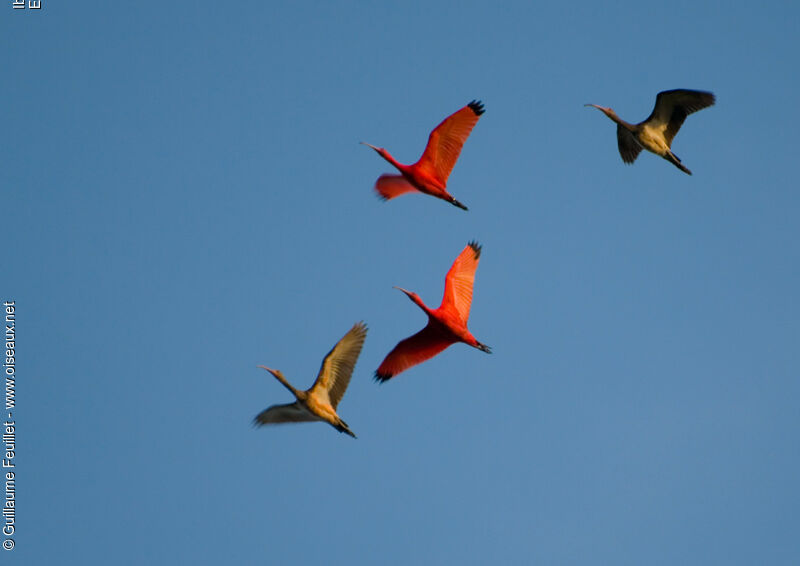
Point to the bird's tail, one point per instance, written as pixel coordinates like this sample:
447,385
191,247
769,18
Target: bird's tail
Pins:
676,161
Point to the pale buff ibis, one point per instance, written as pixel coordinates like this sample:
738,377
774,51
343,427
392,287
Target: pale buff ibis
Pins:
446,325
319,403
656,133
429,174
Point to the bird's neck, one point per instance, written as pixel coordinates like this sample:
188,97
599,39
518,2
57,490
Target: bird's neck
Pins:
287,385
388,157
613,115
414,297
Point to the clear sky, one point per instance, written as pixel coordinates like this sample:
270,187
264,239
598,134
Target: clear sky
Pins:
184,198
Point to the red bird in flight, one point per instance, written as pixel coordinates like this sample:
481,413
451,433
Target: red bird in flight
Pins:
429,174
446,325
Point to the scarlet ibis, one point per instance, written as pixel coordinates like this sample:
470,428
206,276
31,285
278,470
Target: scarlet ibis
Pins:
446,325
429,174
319,403
656,133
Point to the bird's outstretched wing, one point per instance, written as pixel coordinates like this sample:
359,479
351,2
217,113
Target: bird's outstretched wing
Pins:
629,148
290,413
673,106
390,186
412,351
447,139
337,367
460,279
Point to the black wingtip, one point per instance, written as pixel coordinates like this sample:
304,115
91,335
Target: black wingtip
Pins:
382,377
477,107
476,247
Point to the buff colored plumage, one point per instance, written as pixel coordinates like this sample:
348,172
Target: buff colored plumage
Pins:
320,401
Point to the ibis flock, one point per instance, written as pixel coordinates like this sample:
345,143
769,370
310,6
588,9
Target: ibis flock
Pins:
447,324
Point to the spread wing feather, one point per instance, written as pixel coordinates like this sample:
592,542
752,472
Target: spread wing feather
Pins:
673,106
629,148
447,139
414,350
337,367
460,279
290,413
390,186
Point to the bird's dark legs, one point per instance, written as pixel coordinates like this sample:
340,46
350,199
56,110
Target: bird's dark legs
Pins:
342,427
672,158
454,202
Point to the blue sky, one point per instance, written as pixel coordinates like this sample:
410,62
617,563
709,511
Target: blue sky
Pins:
184,198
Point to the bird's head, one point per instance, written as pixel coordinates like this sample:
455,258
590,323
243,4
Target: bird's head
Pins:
607,111
410,294
413,296
278,375
380,150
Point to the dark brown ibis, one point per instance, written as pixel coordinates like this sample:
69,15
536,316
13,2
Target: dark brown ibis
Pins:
656,133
